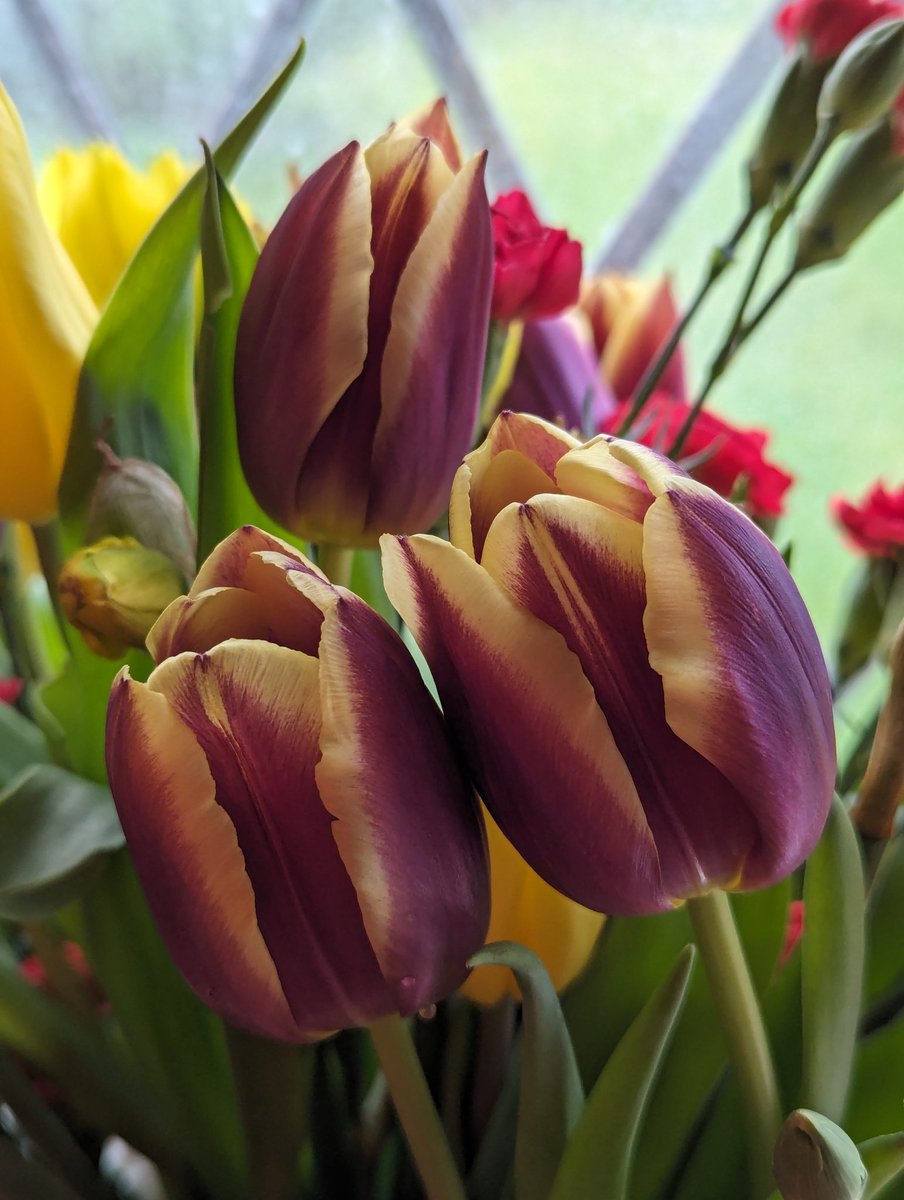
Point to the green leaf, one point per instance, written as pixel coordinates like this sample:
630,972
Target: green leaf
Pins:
228,258
832,963
598,1159
883,1157
178,1044
552,1096
21,743
874,1107
138,368
55,830
885,968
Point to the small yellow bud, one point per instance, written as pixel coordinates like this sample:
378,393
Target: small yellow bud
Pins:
815,1160
114,591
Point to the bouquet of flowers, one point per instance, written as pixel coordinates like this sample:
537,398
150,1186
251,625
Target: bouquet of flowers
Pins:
418,764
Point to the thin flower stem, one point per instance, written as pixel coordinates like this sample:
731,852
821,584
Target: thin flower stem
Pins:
742,1024
721,258
737,332
416,1110
336,562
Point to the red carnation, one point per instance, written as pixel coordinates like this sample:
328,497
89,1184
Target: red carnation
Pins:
876,525
730,458
9,690
537,269
828,25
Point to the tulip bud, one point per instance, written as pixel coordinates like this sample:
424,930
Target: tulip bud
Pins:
299,820
866,179
815,1160
597,632
863,83
789,129
361,343
433,122
114,591
135,498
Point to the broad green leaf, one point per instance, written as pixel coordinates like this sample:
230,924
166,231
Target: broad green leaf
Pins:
21,743
138,368
178,1044
598,1159
55,831
832,961
877,1088
228,258
885,906
883,1157
552,1096
98,1084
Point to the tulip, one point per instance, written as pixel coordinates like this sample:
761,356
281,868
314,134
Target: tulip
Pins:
101,207
631,673
556,377
631,319
361,343
46,318
525,909
307,842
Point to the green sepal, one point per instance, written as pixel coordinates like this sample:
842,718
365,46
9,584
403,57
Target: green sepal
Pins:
832,965
138,369
552,1096
55,833
599,1155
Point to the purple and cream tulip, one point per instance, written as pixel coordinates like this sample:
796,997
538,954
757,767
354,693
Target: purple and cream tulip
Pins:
302,829
628,667
361,345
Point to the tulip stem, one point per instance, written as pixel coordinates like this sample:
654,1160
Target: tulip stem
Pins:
416,1110
336,562
739,1012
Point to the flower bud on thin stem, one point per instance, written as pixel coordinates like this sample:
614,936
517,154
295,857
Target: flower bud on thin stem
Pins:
416,1110
865,80
882,789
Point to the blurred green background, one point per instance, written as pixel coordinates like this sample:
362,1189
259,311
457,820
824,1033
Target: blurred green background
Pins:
592,93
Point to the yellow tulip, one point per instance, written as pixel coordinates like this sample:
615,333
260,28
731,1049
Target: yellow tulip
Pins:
525,909
102,207
46,319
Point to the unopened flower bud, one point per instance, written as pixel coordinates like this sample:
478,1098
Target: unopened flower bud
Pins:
863,84
815,1160
114,591
867,177
789,129
137,499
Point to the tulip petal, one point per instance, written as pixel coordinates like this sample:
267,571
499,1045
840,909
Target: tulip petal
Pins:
543,740
254,708
226,564
183,843
475,500
418,867
434,351
592,472
756,705
579,568
316,351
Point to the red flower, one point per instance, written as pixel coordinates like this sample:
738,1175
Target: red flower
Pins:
537,270
876,525
828,25
9,690
731,457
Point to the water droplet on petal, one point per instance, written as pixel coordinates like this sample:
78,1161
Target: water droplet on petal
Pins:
428,1012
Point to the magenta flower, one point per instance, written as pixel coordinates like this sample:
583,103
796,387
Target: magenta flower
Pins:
307,842
628,666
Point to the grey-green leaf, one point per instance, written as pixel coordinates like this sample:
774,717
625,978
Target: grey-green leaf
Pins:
597,1161
552,1096
55,829
832,964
